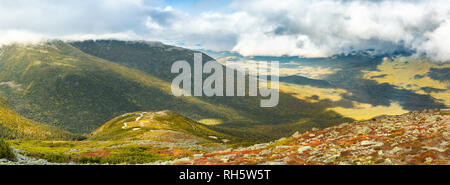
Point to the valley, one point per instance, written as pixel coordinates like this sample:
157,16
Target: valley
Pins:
66,87
110,102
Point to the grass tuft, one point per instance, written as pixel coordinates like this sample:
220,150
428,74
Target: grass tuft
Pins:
6,151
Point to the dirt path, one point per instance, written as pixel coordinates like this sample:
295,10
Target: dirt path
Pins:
137,119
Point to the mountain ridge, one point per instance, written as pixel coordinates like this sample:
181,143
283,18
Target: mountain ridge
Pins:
79,75
55,78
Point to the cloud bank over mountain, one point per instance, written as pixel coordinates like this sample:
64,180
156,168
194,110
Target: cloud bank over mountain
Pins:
255,27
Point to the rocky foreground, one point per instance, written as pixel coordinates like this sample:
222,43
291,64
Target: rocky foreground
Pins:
412,138
25,160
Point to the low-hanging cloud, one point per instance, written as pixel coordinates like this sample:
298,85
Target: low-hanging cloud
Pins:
308,28
322,28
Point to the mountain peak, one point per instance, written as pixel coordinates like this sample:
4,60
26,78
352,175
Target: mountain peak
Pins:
163,125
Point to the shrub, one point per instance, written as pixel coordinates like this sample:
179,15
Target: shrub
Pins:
89,159
6,152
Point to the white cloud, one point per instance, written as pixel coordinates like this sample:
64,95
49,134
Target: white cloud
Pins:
437,45
12,36
321,28
253,27
257,43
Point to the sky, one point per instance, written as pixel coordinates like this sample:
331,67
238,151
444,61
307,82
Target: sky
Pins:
306,28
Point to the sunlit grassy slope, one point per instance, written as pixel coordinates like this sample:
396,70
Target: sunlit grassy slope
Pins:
356,110
101,152
365,86
362,111
14,126
412,74
313,94
159,126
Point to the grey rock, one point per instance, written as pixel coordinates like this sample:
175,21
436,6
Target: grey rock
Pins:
296,134
303,148
364,130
